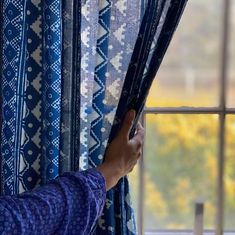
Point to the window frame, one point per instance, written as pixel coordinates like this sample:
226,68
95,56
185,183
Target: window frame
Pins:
222,111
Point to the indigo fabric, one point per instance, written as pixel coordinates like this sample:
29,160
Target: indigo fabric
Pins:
70,70
70,85
69,205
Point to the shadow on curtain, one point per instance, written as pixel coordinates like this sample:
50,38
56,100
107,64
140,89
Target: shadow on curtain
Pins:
69,72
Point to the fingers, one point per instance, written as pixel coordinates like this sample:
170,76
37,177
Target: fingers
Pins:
138,139
127,124
135,162
138,127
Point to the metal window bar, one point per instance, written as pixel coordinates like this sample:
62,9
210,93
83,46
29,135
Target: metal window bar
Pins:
222,111
222,118
198,223
141,190
188,110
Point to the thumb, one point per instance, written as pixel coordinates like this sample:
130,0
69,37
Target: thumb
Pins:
127,123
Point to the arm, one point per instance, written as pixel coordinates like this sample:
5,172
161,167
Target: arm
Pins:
72,203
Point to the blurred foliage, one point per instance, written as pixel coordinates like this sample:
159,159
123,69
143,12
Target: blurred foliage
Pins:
181,169
181,159
181,151
191,70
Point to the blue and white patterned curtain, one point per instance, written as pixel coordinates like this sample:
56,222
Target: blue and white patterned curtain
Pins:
69,72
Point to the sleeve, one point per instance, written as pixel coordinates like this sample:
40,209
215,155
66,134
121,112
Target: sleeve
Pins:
70,204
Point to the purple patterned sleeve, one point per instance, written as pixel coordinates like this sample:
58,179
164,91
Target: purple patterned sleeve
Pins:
69,205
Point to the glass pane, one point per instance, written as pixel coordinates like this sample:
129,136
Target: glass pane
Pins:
180,169
192,63
134,187
231,85
230,174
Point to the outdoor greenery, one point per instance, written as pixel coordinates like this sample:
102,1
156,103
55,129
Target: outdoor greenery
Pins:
181,169
181,150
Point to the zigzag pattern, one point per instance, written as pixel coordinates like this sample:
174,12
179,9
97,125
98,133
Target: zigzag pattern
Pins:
51,88
13,30
41,127
67,156
30,154
23,100
100,79
113,57
89,21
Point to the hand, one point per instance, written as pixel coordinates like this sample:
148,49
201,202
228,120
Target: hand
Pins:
122,154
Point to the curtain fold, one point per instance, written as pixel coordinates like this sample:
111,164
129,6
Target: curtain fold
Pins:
70,101
13,57
51,87
70,70
66,150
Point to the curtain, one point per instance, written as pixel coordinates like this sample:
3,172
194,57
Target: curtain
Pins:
69,72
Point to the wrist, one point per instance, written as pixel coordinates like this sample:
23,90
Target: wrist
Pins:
110,173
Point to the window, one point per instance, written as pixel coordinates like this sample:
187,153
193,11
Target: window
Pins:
189,118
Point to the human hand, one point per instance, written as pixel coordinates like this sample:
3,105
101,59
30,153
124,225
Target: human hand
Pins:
122,154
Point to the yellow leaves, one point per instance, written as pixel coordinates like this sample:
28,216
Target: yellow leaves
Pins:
133,178
183,184
182,188
176,226
230,129
184,149
154,200
211,166
186,131
230,188
167,94
209,213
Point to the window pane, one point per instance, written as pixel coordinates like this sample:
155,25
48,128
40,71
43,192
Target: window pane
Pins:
180,168
230,174
231,85
134,187
192,63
